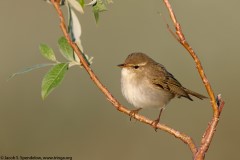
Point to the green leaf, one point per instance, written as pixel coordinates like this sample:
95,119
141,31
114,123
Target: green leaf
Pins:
66,49
82,2
28,69
98,7
47,52
53,78
96,15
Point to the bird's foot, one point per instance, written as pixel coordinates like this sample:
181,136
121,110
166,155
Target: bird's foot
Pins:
133,112
155,123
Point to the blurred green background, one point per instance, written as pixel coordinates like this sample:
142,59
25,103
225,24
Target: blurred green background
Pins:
76,120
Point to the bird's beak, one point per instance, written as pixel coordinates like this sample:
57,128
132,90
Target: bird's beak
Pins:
121,65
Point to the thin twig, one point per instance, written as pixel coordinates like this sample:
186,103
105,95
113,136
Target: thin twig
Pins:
194,56
208,134
170,30
186,139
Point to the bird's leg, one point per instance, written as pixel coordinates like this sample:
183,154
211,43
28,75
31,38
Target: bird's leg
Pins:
155,122
133,112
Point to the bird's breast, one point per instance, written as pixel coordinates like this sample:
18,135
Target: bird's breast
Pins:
141,93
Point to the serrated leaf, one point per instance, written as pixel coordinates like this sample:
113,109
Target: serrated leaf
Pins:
76,5
53,78
66,49
28,69
98,7
47,52
81,2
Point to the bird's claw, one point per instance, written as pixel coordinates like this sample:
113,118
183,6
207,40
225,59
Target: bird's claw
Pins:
155,123
133,112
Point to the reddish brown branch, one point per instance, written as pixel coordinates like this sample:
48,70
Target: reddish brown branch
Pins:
186,139
194,56
208,135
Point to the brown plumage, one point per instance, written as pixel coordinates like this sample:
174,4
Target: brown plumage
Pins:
147,84
162,78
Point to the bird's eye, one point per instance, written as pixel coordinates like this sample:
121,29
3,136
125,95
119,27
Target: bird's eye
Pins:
135,67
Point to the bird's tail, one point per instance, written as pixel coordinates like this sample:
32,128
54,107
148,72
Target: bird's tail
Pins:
200,96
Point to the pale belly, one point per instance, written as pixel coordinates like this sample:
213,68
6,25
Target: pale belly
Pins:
143,94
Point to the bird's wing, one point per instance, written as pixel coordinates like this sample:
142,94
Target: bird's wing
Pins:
168,82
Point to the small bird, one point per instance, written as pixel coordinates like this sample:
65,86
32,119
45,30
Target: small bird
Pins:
147,84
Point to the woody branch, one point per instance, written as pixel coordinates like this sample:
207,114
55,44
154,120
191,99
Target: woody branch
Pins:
183,137
217,108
